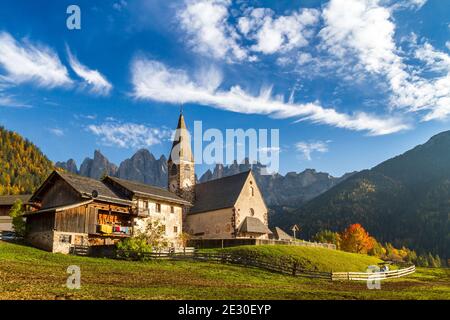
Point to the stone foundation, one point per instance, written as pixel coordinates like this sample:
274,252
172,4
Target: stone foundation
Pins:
56,241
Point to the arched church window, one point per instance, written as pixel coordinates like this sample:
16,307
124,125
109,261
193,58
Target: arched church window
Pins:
252,212
252,191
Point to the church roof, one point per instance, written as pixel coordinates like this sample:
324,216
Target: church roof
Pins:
253,225
147,190
280,234
219,193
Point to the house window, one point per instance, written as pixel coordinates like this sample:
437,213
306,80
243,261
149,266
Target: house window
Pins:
145,204
252,212
65,238
175,229
158,207
172,209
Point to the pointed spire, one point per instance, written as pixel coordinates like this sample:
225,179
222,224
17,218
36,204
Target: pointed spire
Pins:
182,137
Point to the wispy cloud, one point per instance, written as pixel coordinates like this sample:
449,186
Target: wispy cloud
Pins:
56,131
27,62
97,83
129,135
308,148
11,101
367,32
153,80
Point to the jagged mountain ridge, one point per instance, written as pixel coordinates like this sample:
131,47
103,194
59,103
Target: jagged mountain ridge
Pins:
290,190
404,200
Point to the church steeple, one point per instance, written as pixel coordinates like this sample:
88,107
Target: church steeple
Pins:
181,162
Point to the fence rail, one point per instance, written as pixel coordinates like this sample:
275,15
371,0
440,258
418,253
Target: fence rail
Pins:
366,276
288,267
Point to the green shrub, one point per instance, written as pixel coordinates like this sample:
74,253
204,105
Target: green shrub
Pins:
18,223
133,248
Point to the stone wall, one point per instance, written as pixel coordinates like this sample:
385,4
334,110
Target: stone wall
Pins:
56,241
211,225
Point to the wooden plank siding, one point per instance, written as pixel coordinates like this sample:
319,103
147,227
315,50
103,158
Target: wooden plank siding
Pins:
41,223
84,219
72,220
60,194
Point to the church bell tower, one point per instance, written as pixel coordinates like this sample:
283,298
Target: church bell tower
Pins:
181,163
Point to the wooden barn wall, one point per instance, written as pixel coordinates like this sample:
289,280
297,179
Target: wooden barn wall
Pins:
4,210
59,194
73,220
41,222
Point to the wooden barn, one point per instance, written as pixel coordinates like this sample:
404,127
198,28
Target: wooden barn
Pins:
72,211
75,210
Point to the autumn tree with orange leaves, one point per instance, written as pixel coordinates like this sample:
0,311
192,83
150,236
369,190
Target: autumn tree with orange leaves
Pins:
356,239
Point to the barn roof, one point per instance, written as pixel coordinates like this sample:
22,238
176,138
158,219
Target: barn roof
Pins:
9,200
253,225
147,190
280,234
58,208
83,185
219,193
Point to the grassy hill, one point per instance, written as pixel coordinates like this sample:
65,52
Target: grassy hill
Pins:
404,200
23,165
309,258
28,273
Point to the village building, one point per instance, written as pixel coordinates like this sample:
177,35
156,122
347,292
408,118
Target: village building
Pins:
72,210
228,208
6,203
75,210
280,234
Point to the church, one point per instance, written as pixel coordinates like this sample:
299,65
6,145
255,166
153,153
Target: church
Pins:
70,210
226,208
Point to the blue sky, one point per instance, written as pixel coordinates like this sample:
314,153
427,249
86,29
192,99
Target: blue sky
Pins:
349,83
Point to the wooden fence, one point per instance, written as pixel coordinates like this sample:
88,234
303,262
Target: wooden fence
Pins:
368,276
286,266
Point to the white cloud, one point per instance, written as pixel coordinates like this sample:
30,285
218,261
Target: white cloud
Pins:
11,101
304,58
153,80
307,148
56,131
26,62
365,29
129,135
274,34
96,82
205,21
447,44
409,4
120,5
